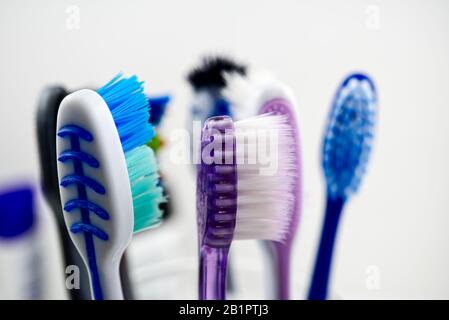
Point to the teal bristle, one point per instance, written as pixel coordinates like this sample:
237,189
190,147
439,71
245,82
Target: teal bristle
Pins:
147,194
129,108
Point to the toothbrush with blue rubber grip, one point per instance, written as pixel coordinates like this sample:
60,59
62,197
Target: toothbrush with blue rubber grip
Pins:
346,149
108,177
46,116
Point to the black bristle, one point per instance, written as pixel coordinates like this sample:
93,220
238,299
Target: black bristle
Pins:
210,73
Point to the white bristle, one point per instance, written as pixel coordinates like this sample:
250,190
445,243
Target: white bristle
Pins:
238,89
265,199
248,93
243,92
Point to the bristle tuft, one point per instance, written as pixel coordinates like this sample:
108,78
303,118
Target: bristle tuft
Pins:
146,192
349,136
239,91
210,74
265,200
129,108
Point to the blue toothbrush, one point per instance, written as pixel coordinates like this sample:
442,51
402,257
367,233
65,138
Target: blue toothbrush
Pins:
346,149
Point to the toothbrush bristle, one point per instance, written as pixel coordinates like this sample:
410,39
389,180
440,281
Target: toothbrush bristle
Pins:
240,92
158,108
265,199
146,191
210,74
349,135
129,108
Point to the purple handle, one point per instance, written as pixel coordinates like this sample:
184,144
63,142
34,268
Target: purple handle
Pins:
280,255
216,205
213,268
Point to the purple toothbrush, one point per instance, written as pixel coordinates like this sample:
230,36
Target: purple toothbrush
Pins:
281,252
240,197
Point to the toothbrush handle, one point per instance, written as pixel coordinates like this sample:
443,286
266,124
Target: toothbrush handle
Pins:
110,281
212,278
282,254
71,257
320,278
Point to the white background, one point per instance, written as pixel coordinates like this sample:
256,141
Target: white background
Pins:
397,223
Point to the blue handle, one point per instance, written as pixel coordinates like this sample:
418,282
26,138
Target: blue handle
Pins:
320,278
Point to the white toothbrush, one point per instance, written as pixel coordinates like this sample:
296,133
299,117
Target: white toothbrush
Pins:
108,176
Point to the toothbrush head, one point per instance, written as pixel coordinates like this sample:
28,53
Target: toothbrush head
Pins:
108,176
277,100
129,108
349,135
240,193
267,172
217,183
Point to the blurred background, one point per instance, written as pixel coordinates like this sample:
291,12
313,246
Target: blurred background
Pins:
394,231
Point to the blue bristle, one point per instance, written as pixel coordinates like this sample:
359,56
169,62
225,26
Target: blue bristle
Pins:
158,106
221,108
349,135
129,107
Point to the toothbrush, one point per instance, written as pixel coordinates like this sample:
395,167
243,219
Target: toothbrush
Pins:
47,112
346,149
233,82
249,95
108,177
236,198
